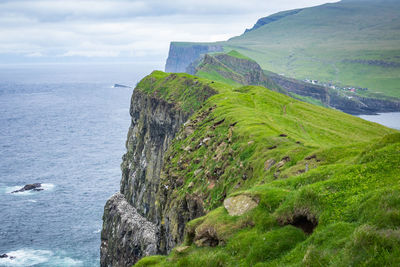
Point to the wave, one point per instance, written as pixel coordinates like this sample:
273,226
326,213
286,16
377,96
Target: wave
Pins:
31,257
97,231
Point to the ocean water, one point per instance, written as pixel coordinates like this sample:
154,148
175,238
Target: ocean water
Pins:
390,119
63,126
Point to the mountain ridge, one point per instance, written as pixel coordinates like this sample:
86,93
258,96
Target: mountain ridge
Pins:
348,43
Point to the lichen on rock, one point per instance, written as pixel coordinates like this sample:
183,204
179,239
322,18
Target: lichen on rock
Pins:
238,205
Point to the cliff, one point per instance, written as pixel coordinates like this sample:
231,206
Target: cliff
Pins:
181,55
354,104
131,221
216,175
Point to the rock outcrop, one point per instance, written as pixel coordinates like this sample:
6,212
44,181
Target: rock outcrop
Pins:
126,236
30,187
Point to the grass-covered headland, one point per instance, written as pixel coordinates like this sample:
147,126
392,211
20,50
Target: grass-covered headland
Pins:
284,183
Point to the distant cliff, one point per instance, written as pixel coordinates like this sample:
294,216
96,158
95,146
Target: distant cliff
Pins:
352,43
181,55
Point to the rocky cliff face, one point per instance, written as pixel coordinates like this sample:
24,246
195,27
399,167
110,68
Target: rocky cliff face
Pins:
353,105
131,222
154,124
182,55
127,236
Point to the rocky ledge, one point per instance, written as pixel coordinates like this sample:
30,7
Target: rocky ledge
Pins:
127,236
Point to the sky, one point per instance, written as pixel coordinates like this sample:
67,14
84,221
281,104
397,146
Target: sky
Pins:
122,30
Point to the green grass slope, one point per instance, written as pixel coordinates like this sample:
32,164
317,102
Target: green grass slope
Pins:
353,43
326,183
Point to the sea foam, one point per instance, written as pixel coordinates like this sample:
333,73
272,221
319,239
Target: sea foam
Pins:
31,257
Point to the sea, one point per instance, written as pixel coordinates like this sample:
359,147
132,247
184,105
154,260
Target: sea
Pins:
65,126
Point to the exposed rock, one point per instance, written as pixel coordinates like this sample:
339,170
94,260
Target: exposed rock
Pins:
3,256
282,162
206,237
239,205
268,164
121,85
188,131
154,125
175,213
380,63
206,141
126,236
355,105
220,151
30,187
182,249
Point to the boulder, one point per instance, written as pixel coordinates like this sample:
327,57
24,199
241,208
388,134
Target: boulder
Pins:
3,256
238,205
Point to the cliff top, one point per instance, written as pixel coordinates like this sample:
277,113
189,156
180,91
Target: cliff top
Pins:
183,90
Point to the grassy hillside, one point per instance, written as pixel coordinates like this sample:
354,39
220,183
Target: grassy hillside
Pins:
323,185
354,43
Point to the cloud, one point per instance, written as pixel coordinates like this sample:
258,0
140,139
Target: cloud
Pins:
122,28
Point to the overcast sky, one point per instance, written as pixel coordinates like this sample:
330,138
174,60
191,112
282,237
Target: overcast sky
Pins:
122,30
